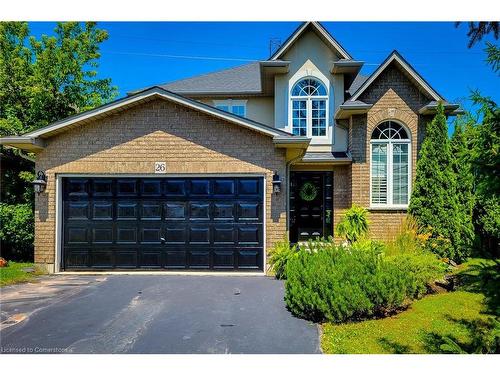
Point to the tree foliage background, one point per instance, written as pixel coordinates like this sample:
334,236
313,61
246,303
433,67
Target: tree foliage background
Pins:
42,80
456,197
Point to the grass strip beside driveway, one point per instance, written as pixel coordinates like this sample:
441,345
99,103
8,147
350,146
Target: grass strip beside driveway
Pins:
14,273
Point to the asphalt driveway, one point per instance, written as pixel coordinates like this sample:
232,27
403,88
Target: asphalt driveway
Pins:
151,314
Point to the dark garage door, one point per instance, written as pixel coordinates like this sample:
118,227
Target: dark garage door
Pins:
163,223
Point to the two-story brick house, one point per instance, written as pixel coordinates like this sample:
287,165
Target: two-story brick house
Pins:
208,172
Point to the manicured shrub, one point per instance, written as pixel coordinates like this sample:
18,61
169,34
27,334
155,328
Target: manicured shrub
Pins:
16,231
341,283
279,256
354,224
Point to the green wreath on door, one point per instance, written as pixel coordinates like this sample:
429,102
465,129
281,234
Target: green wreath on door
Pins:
308,191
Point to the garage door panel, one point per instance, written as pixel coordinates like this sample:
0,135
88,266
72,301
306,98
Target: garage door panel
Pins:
199,234
126,233
77,258
102,188
224,259
175,211
176,233
151,210
175,259
175,188
78,210
199,259
102,210
126,258
102,258
127,210
150,233
167,222
77,188
224,188
249,211
151,188
249,235
249,258
77,233
127,187
224,234
151,258
223,211
102,234
199,211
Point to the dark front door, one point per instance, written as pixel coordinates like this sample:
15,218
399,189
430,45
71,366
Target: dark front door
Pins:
311,205
163,223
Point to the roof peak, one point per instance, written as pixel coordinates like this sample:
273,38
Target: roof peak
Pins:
323,33
395,55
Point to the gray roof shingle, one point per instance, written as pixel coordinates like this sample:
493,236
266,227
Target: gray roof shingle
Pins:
242,79
356,84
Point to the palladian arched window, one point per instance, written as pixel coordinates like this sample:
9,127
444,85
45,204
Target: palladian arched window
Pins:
390,165
309,108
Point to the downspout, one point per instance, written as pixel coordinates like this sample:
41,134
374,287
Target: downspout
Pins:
287,176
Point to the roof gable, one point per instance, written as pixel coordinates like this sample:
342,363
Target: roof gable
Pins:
322,33
155,92
406,68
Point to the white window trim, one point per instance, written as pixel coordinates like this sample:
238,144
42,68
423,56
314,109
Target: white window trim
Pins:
389,143
230,103
309,100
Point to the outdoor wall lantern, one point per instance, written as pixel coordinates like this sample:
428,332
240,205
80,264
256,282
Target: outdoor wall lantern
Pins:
276,183
40,183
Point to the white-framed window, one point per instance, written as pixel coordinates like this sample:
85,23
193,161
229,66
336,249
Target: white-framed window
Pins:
390,150
237,107
309,108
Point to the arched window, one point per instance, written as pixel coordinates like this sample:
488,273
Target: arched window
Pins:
309,108
390,165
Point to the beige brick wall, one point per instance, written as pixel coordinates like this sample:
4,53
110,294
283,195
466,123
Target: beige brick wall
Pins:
393,97
131,141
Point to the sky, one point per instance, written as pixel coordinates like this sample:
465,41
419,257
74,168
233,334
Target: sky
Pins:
140,54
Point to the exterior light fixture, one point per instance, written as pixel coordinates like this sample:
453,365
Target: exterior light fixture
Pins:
40,183
276,183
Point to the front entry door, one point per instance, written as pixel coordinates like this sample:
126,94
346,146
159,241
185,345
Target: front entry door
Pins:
311,205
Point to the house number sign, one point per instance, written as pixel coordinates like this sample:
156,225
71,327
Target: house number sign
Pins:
160,167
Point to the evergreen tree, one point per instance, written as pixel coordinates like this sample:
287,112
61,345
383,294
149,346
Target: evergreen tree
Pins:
461,154
434,202
485,158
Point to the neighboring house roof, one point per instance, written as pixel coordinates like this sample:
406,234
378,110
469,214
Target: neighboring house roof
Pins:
395,56
245,79
34,140
321,31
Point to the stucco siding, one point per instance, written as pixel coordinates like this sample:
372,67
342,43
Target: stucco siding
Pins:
260,109
310,56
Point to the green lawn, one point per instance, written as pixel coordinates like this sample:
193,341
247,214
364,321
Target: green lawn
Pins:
429,324
14,273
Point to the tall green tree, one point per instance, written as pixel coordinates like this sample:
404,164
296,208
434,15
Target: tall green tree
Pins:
461,166
42,80
485,160
434,201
